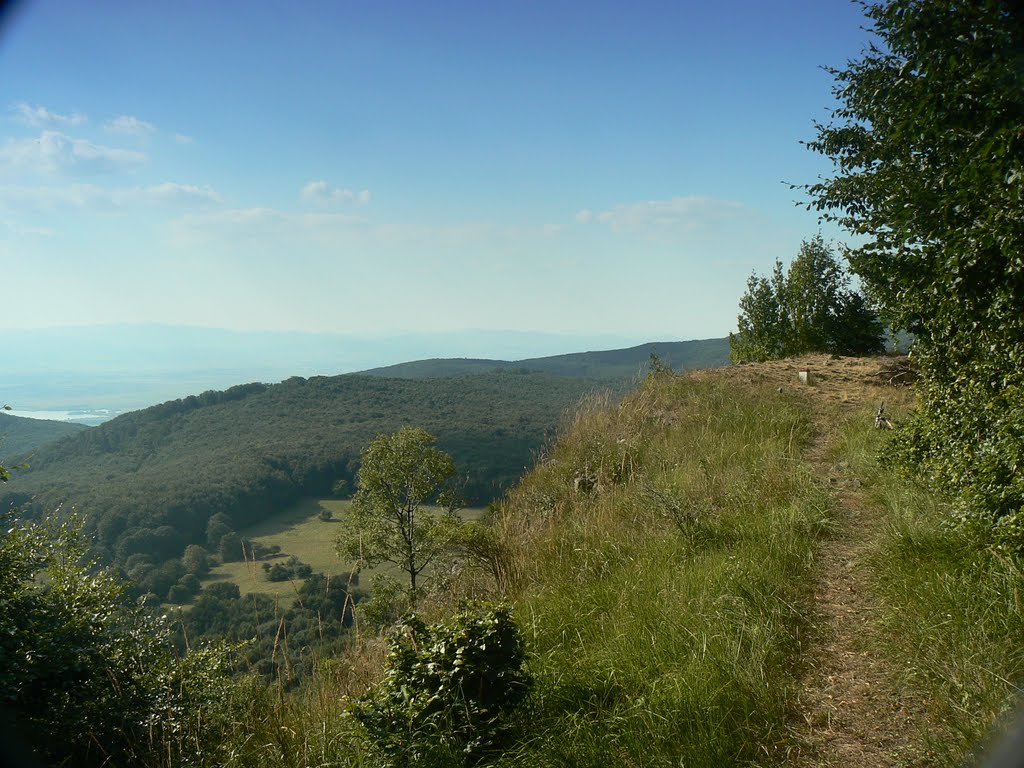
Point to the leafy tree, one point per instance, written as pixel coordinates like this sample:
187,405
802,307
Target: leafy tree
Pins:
928,148
810,308
217,526
762,323
196,560
230,548
387,521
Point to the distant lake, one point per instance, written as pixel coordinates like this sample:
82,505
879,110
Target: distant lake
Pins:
90,417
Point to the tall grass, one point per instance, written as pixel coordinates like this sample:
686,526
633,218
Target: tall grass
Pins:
951,613
659,559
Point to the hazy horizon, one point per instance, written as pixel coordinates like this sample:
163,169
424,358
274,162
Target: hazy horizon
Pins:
124,367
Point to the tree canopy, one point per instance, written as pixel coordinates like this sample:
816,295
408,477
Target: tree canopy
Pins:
810,308
928,151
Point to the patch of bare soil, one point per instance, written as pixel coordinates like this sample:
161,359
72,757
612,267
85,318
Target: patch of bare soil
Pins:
851,712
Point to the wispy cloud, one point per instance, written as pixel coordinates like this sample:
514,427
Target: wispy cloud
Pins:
130,126
90,196
235,223
168,193
19,198
654,215
322,193
21,230
181,138
54,153
41,117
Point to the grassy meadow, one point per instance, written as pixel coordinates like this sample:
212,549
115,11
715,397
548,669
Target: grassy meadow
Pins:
299,531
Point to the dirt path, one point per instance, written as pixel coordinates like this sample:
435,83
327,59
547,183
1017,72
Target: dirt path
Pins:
851,714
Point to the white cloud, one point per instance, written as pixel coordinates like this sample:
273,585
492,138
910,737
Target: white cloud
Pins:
41,117
655,215
181,138
129,125
56,153
322,193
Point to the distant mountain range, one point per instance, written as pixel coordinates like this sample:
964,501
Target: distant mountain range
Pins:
607,365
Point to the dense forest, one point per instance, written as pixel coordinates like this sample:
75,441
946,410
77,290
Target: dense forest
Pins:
195,470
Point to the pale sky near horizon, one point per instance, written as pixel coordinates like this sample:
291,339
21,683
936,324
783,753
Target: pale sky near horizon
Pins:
357,167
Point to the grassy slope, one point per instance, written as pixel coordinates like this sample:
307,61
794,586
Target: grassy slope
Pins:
19,436
951,621
660,560
615,364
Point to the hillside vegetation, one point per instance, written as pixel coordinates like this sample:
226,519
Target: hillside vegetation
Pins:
716,571
20,436
149,482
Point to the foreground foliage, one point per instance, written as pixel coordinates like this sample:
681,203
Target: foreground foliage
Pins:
450,690
928,149
87,676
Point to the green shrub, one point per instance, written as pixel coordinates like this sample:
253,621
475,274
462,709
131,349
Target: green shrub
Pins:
450,689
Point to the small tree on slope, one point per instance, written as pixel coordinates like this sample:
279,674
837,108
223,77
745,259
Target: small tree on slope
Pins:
388,521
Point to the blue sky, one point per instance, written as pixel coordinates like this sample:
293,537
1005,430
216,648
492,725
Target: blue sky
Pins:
374,167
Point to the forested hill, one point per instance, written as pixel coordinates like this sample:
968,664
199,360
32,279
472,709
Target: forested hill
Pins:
19,435
149,481
608,365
